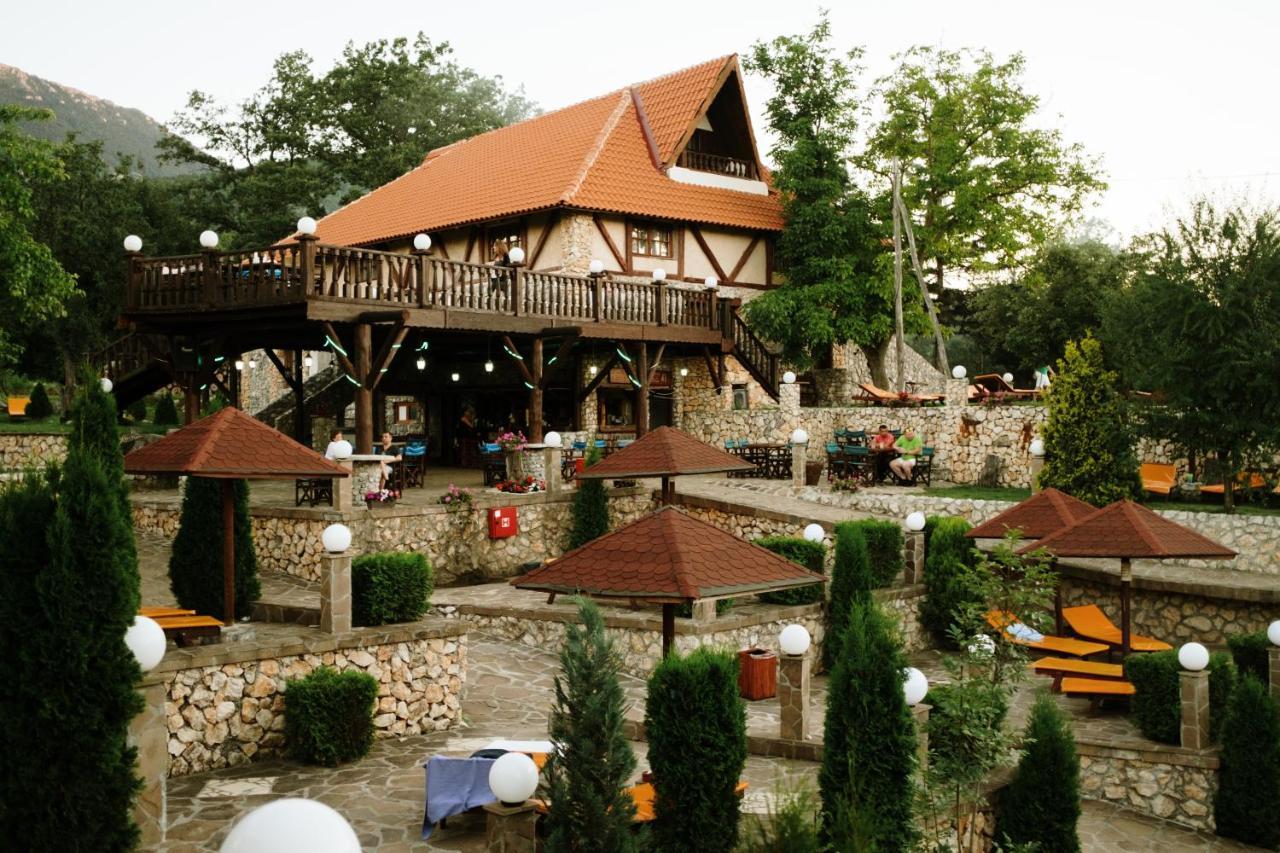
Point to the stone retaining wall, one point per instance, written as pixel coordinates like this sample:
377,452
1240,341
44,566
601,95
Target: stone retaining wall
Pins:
20,451
1171,784
223,712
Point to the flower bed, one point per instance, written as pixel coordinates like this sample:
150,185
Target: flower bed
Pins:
522,486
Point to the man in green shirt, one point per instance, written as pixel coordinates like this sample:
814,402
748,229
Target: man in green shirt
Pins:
908,446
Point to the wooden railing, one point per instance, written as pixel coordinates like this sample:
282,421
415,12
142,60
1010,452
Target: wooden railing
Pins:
121,357
721,164
752,352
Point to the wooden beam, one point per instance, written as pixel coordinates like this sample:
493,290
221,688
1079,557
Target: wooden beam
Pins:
471,241
642,393
524,368
746,256
444,248
284,371
565,346
333,335
706,250
387,354
613,247
657,360
552,221
536,393
401,316
711,369
363,352
600,375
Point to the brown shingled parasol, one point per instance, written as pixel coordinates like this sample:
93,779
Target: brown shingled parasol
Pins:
230,445
1129,531
665,452
667,558
1038,516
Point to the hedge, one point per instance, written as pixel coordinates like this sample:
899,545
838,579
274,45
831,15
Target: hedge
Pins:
851,583
949,559
884,547
328,716
1157,704
1041,805
391,586
166,410
1249,781
1249,651
811,555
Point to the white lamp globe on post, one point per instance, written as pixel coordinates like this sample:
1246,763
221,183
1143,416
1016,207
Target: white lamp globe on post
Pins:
133,243
552,439
342,450
1193,657
209,239
292,824
814,532
596,266
513,778
789,378
799,436
145,638
1273,633
712,282
516,255
106,385
421,242
794,640
1036,448
336,538
1008,377
659,274
307,226
914,686
959,372
915,521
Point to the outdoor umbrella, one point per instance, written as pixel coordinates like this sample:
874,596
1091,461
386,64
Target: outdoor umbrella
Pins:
665,452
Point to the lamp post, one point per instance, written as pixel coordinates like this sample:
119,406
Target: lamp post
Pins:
510,823
913,541
915,686
1193,685
799,445
335,579
292,824
1273,657
794,678
1036,450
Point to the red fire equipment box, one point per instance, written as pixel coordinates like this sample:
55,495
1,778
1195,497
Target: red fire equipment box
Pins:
502,522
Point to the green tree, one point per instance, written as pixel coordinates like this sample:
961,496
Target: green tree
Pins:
1200,327
590,508
832,292
166,410
1089,442
1249,783
39,407
1041,806
950,591
869,754
697,728
590,809
195,564
852,580
33,285
983,183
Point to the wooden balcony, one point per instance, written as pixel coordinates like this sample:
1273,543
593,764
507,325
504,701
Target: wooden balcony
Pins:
720,164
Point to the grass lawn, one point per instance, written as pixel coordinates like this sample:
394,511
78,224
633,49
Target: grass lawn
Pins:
1001,493
53,426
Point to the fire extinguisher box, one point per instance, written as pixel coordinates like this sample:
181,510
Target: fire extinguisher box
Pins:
503,522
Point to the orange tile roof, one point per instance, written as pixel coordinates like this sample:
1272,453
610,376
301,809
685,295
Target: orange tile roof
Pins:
1043,513
667,556
592,155
230,444
665,451
1127,529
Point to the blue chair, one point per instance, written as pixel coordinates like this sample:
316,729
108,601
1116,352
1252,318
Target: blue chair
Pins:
413,462
835,462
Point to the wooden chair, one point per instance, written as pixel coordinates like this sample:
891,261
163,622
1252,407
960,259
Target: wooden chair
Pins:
1157,478
923,469
312,491
413,464
1090,622
836,467
858,464
1047,642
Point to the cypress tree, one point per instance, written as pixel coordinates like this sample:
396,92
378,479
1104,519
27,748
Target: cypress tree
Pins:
869,754
166,411
590,508
1249,783
1041,806
93,428
948,563
590,809
195,564
851,582
39,407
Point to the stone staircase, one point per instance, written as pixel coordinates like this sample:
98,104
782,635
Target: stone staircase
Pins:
327,391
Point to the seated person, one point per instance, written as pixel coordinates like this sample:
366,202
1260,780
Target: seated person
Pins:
883,439
331,451
387,448
908,447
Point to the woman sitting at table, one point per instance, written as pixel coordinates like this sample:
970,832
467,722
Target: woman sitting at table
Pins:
908,447
386,447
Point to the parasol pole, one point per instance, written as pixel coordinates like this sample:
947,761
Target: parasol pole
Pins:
228,552
666,490
668,628
1126,582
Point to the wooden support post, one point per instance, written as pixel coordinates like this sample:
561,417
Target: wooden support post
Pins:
535,395
668,628
1126,592
362,351
301,424
209,275
229,552
642,394
307,259
190,403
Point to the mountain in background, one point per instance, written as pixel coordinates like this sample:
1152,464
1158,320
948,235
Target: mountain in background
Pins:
121,129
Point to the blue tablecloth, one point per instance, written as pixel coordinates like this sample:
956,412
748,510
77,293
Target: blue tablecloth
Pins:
455,785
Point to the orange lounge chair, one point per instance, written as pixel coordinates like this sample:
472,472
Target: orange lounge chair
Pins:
879,397
18,406
1090,622
1244,482
643,795
1047,642
1097,689
990,384
1157,478
1060,668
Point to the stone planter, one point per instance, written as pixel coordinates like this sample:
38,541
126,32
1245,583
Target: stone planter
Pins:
515,464
370,503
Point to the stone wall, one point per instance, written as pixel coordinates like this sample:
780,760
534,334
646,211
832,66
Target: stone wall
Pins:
222,710
1171,784
20,451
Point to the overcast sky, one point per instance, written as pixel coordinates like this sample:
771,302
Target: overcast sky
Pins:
1177,97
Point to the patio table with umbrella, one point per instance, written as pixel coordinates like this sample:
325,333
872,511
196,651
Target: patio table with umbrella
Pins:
230,445
665,452
1128,531
1040,515
667,558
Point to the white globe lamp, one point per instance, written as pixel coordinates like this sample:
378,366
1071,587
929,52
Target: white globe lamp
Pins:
982,646
307,226
799,436
959,372
516,255
456,377
814,532
133,243
1193,657
343,450
596,266
712,282
914,686
659,274
552,439
915,521
1273,633
789,378
794,640
684,371
336,538
145,638
1036,448
421,242
1008,377
209,239
488,367
106,385
513,778
292,824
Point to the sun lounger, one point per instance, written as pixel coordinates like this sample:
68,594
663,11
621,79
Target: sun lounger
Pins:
1060,668
1244,482
1017,632
1097,690
18,406
992,384
1157,478
870,393
1090,622
643,795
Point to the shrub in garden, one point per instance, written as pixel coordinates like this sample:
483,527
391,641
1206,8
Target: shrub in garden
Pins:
948,585
884,547
697,728
1249,781
869,757
811,555
1041,805
791,825
1157,704
392,586
590,508
195,564
851,582
137,410
1249,651
328,716
590,809
39,407
166,413
960,711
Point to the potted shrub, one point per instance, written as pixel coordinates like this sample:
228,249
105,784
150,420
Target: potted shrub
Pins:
380,497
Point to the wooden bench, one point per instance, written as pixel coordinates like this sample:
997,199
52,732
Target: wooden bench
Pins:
1060,668
1097,690
185,630
160,612
18,406
1157,478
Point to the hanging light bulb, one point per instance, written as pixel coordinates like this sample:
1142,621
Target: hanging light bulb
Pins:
253,364
488,366
593,370
239,364
455,376
422,363
307,361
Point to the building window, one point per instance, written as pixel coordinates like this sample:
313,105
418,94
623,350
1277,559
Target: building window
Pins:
512,232
651,238
740,397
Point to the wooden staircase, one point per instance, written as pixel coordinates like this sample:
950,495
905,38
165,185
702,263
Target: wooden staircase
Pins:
132,368
754,354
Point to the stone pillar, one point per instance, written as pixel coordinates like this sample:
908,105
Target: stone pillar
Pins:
551,464
1035,466
920,715
150,734
789,398
344,487
913,550
703,610
957,392
335,592
1195,709
1273,653
798,455
510,829
793,696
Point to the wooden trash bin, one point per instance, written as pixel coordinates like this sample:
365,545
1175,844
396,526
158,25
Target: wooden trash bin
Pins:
757,674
